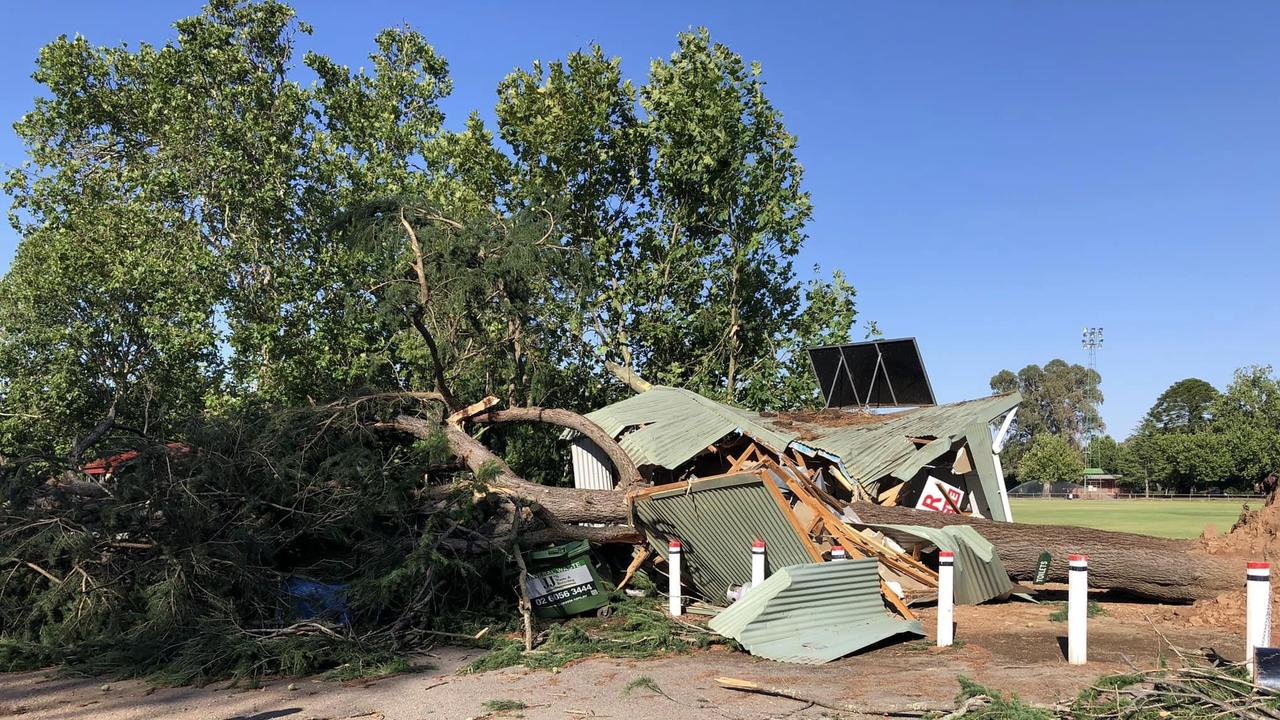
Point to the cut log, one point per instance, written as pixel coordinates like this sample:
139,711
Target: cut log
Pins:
1157,568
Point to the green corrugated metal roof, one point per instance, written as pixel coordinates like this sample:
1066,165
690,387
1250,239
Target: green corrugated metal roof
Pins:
870,452
979,574
674,425
813,613
716,520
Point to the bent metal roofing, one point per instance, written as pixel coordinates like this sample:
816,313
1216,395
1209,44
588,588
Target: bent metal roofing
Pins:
667,426
813,613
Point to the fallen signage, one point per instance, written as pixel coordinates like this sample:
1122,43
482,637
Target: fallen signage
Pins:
1042,568
938,496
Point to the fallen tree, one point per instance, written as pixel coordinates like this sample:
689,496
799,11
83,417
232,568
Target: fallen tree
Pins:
1157,568
561,509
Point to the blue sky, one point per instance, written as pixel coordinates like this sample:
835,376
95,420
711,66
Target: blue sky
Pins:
993,177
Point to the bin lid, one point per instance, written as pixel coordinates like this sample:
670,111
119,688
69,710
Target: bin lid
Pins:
561,552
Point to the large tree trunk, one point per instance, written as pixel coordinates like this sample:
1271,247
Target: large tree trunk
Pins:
559,507
1157,568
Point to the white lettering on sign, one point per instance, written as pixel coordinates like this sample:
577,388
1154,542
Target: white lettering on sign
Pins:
936,496
560,585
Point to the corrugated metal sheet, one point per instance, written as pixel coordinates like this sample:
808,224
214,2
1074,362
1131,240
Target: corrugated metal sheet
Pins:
980,576
716,520
592,469
813,613
873,451
672,425
668,426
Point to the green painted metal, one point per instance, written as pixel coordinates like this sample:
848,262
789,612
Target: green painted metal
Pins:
563,581
672,425
874,451
668,426
813,613
716,520
979,574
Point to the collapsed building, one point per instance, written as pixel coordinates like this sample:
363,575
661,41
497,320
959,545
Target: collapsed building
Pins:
721,478
892,458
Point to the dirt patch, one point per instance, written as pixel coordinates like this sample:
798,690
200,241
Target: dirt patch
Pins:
1254,536
1011,646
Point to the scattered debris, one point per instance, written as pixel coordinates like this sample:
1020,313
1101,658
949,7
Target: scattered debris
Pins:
673,435
813,614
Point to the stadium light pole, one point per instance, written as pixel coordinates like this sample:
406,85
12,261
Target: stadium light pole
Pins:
1091,340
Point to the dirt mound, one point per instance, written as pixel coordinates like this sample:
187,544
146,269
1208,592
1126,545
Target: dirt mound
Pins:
1255,536
1225,612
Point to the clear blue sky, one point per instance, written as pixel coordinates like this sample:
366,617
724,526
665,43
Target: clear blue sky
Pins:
992,176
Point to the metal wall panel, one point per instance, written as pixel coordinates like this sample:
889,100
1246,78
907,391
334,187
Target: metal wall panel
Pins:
979,574
716,520
592,469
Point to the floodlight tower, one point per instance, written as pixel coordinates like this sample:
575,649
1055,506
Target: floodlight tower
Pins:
1091,340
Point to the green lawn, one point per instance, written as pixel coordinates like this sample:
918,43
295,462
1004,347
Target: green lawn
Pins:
1165,518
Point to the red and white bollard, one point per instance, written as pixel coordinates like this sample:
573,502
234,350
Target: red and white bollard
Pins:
757,563
1078,609
946,597
673,577
1257,628
838,553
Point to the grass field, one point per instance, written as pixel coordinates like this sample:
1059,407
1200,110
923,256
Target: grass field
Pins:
1164,518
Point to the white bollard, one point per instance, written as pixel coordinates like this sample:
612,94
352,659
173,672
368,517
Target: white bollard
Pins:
673,577
838,553
1257,628
946,597
757,562
1078,609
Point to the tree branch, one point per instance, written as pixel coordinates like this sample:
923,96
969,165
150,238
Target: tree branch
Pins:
627,474
628,377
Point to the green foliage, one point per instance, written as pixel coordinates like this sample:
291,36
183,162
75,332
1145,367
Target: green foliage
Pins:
1050,459
1232,444
501,706
1186,407
1058,399
1093,610
636,628
643,682
179,573
207,242
1104,452
999,707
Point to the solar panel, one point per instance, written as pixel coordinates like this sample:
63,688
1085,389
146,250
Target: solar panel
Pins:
880,373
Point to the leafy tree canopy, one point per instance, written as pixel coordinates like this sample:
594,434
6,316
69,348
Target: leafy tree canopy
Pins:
1058,399
1050,459
200,228
1185,407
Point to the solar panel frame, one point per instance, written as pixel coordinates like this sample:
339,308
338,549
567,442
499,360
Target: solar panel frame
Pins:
876,373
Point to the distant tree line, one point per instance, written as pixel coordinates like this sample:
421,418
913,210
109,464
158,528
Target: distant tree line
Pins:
1193,439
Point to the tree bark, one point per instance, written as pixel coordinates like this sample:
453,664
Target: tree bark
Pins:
628,377
562,506
1157,568
625,469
